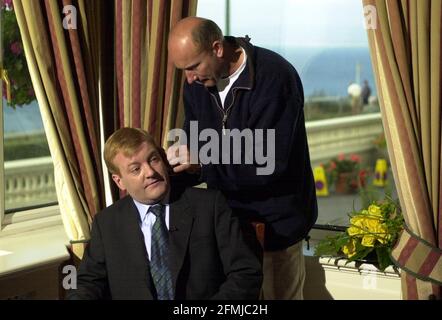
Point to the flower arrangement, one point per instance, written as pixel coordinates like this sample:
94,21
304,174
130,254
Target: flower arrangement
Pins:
346,171
14,60
371,230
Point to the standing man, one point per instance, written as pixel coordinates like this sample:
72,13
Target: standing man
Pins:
232,84
365,93
161,241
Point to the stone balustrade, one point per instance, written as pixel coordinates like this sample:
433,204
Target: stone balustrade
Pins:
353,134
29,182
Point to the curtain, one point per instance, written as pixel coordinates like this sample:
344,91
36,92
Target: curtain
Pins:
148,86
405,47
64,68
72,71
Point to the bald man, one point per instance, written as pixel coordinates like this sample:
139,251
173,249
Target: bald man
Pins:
232,84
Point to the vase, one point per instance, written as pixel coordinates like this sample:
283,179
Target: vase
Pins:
346,183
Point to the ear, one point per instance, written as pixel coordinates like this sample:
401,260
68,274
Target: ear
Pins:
218,49
163,156
118,181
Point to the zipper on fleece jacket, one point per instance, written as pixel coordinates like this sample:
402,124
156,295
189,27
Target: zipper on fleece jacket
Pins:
225,113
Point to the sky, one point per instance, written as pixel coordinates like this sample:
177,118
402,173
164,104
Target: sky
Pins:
292,23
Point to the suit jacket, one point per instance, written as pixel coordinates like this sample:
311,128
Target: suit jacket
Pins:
209,258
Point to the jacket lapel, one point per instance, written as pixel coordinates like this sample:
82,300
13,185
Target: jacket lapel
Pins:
180,226
133,239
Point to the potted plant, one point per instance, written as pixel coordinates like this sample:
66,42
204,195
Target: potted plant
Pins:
372,231
345,173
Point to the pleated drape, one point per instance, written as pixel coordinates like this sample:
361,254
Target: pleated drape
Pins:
148,86
64,68
405,46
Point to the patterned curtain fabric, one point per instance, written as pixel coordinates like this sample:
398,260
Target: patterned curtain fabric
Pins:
148,86
405,44
64,68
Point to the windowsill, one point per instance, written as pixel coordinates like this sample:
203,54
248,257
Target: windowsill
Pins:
334,278
33,249
30,220
342,264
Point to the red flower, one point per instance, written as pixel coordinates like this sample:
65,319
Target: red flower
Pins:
8,4
31,92
355,158
16,48
341,157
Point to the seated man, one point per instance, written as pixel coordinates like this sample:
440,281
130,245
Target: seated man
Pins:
162,241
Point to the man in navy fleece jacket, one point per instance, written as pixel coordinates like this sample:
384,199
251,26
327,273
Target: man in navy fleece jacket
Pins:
232,84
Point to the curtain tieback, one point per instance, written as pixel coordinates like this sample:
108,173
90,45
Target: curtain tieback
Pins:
418,257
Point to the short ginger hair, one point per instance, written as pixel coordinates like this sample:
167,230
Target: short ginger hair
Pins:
127,141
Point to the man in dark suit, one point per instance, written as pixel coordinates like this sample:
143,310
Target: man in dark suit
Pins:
200,255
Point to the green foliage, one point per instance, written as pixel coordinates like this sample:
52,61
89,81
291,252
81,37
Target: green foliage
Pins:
33,146
14,61
380,142
327,109
331,245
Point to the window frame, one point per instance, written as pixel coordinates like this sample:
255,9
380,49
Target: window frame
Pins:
19,221
319,230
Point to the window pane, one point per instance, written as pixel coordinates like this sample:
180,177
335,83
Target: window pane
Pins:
29,178
327,43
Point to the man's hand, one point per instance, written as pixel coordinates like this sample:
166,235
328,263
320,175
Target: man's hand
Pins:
179,159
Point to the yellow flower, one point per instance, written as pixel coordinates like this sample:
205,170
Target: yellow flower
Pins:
354,231
368,240
362,224
374,210
371,225
382,233
350,248
357,221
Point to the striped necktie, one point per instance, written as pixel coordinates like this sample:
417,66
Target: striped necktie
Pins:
159,264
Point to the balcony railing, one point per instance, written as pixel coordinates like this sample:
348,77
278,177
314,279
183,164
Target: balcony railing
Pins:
29,182
353,134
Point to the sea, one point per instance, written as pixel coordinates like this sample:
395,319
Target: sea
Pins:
324,71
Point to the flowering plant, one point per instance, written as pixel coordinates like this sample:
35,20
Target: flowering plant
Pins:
349,166
371,230
14,60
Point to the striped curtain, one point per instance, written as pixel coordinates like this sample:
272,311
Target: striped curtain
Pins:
64,68
405,46
148,86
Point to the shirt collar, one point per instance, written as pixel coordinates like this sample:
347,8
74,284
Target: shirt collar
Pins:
144,208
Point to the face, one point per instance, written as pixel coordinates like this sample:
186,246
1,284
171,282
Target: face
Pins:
205,67
144,174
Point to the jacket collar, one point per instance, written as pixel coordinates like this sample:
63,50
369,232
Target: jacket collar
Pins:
133,239
246,79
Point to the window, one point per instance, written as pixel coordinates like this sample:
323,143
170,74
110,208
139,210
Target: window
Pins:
26,168
327,43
